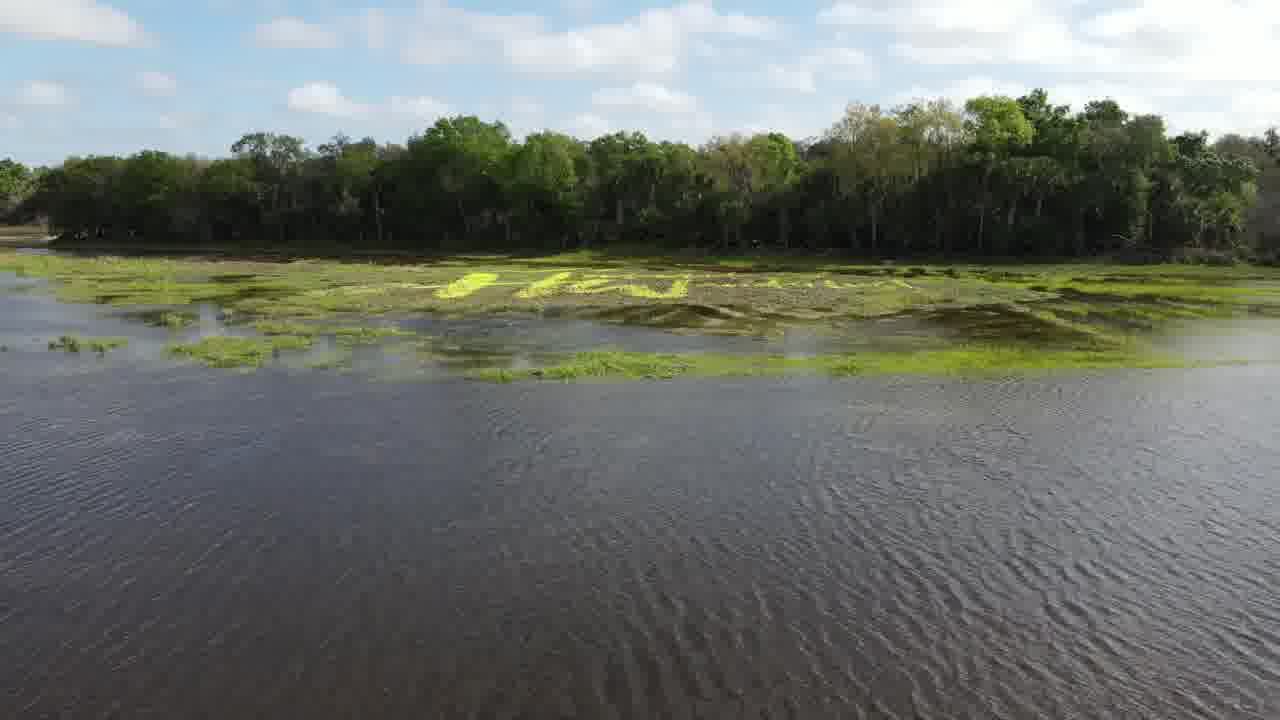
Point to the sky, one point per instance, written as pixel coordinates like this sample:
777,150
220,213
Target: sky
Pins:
83,77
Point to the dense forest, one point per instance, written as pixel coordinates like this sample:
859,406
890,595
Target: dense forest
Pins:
998,177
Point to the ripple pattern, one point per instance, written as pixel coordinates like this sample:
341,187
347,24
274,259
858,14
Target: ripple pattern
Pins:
184,544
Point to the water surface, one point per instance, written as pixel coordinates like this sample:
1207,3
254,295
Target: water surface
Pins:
177,542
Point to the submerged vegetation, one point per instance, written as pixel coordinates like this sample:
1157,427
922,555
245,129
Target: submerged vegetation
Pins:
76,344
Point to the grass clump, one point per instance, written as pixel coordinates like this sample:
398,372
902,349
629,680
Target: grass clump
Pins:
365,335
76,344
599,364
224,351
276,328
177,320
344,334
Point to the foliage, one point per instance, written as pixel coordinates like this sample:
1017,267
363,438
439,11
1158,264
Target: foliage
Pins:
1003,176
16,184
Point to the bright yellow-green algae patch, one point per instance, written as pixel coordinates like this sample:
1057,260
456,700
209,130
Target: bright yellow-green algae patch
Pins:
467,285
226,351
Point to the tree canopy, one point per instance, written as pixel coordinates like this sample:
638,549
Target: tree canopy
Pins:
998,176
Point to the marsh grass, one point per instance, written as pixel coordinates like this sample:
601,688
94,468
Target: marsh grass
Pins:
1010,318
343,334
175,320
963,361
77,344
226,351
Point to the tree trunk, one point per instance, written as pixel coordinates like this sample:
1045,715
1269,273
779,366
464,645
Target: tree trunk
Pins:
377,216
1012,222
784,230
939,233
982,228
875,229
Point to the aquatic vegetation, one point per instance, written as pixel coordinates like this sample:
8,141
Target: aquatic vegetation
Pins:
544,287
280,327
225,351
365,335
1104,313
469,284
679,289
176,320
76,344
970,360
344,334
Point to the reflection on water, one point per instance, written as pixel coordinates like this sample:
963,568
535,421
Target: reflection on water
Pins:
178,542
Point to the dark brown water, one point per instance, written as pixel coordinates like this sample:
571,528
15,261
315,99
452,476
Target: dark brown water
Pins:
184,543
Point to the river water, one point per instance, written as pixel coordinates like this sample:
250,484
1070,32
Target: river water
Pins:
177,542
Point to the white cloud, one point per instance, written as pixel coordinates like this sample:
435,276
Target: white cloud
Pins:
526,106
292,33
324,99
652,42
646,96
795,122
654,109
157,83
40,93
963,89
1171,56
420,108
785,77
803,74
589,125
81,20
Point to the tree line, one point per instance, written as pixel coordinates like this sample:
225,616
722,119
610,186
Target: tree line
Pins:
997,177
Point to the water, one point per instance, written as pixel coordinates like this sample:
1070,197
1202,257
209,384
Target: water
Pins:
177,542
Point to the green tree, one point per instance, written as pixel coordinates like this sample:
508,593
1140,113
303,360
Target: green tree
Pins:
998,128
276,160
775,168
545,183
870,159
16,183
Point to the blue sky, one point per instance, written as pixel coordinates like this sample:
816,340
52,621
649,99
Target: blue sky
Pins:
118,76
